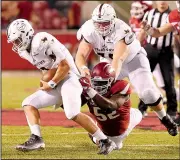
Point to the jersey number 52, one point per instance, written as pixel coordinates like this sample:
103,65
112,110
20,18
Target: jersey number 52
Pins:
104,117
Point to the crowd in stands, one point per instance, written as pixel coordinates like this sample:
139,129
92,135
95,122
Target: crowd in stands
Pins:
49,14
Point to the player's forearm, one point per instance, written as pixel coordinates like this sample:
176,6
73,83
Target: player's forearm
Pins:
80,61
117,65
101,101
62,71
121,52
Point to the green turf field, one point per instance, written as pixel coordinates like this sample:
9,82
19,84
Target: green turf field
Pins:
74,142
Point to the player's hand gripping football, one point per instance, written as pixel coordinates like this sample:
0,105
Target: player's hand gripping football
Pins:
45,86
85,82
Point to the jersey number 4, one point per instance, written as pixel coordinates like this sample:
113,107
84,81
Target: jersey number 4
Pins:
104,117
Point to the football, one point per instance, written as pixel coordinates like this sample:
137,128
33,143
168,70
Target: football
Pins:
47,76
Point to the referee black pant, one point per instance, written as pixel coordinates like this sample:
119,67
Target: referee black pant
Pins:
165,58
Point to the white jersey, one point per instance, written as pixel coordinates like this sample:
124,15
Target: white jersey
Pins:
104,47
47,52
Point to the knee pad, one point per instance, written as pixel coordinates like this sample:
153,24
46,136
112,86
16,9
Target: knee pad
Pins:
150,97
28,102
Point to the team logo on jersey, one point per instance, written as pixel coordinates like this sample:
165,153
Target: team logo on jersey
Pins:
44,39
126,31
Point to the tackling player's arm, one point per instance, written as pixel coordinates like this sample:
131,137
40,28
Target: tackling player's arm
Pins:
109,104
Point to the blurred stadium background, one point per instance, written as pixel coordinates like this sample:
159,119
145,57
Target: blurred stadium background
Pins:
20,79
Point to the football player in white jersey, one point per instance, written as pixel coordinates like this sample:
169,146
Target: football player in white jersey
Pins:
113,40
45,52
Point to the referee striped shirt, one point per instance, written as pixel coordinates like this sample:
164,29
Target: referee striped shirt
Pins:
157,19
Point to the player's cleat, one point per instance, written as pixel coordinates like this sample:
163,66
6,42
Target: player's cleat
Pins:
170,125
106,146
34,143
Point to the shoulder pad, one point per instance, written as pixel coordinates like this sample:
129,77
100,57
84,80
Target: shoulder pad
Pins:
87,30
173,16
123,31
40,41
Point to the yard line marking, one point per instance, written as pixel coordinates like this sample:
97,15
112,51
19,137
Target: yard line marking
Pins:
151,145
133,145
73,133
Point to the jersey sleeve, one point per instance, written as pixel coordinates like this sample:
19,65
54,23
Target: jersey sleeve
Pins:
173,17
122,87
50,46
124,32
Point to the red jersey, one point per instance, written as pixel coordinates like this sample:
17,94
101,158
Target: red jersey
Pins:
174,19
115,122
135,26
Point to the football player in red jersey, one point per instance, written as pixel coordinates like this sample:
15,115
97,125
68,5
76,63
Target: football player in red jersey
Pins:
109,102
138,9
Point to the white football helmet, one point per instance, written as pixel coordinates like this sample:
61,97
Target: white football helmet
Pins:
137,10
104,19
19,33
178,5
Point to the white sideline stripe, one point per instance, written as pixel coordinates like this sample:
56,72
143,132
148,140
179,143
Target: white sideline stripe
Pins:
66,133
136,145
151,145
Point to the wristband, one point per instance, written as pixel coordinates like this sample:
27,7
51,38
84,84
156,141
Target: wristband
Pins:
84,67
52,84
91,93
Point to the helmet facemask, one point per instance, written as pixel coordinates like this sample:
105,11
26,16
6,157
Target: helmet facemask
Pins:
103,28
102,85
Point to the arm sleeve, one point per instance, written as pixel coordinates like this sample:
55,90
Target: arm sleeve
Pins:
57,50
105,103
86,32
125,33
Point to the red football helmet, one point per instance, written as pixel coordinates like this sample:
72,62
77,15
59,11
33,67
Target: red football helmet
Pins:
102,77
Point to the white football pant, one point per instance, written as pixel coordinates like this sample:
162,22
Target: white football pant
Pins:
68,92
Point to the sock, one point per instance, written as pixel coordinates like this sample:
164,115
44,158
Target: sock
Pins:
161,113
35,129
99,135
